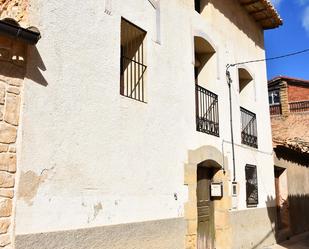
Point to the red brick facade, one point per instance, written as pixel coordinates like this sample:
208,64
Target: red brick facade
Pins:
298,93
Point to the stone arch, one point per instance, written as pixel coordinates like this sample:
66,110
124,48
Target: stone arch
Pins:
207,156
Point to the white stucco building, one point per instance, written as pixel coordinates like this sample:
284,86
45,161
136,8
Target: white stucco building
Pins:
125,123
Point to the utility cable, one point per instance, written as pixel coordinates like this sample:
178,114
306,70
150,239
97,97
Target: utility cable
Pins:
270,59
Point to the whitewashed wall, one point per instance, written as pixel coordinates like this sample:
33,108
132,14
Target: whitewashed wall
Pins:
98,158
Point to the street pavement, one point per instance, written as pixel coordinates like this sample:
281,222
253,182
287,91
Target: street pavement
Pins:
297,242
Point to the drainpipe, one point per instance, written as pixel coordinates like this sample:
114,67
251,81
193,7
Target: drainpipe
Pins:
30,35
229,82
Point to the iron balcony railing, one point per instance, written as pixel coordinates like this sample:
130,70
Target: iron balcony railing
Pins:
249,128
207,111
300,106
275,109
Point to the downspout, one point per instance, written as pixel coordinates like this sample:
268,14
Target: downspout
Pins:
229,82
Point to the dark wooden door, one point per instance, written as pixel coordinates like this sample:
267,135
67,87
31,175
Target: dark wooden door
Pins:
205,228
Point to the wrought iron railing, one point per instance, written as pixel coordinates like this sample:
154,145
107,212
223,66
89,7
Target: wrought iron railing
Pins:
300,106
275,109
249,128
133,82
207,111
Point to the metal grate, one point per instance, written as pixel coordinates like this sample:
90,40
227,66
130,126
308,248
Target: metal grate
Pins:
251,185
249,128
300,106
133,68
207,111
275,109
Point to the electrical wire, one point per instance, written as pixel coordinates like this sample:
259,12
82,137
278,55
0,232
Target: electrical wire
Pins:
269,59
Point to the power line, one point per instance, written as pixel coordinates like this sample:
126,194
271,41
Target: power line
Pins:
269,59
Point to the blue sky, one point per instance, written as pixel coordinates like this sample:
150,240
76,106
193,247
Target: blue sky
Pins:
292,36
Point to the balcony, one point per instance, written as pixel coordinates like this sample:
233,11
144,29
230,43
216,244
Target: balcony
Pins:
300,106
207,111
248,128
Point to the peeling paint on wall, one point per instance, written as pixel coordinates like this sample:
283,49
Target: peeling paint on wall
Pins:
30,183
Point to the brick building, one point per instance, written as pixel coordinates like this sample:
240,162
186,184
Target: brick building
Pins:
289,108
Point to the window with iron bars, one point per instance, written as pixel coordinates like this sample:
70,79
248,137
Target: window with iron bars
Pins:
252,185
248,128
207,111
133,67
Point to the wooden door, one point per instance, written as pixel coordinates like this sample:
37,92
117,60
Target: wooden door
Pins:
205,228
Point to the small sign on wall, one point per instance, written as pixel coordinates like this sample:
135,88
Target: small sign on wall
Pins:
216,189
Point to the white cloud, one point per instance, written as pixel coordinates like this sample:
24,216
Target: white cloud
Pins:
306,19
277,2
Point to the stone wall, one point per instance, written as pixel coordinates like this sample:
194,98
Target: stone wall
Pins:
12,71
15,9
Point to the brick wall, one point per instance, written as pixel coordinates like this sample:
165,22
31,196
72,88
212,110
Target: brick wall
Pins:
298,93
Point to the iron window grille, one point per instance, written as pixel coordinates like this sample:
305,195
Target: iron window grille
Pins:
248,128
251,185
207,111
133,67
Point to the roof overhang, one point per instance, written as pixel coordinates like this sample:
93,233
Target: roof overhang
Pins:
288,80
30,35
263,12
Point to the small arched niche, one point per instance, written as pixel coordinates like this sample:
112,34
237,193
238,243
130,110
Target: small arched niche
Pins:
246,88
205,62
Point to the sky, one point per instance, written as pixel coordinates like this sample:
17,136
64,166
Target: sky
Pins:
293,36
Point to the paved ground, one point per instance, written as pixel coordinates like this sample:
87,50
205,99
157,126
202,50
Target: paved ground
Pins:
297,242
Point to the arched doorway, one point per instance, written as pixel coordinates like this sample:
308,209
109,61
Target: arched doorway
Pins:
207,218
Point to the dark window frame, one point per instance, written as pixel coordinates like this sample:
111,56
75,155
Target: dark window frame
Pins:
252,190
132,61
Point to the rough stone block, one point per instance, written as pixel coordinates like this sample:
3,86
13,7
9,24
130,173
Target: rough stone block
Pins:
3,148
190,211
12,149
1,112
6,192
13,90
191,242
5,240
5,207
191,227
7,180
8,133
12,107
2,93
4,225
8,162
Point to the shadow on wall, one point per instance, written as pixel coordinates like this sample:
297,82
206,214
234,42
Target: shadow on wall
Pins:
271,211
14,56
299,213
298,207
292,156
35,66
240,21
